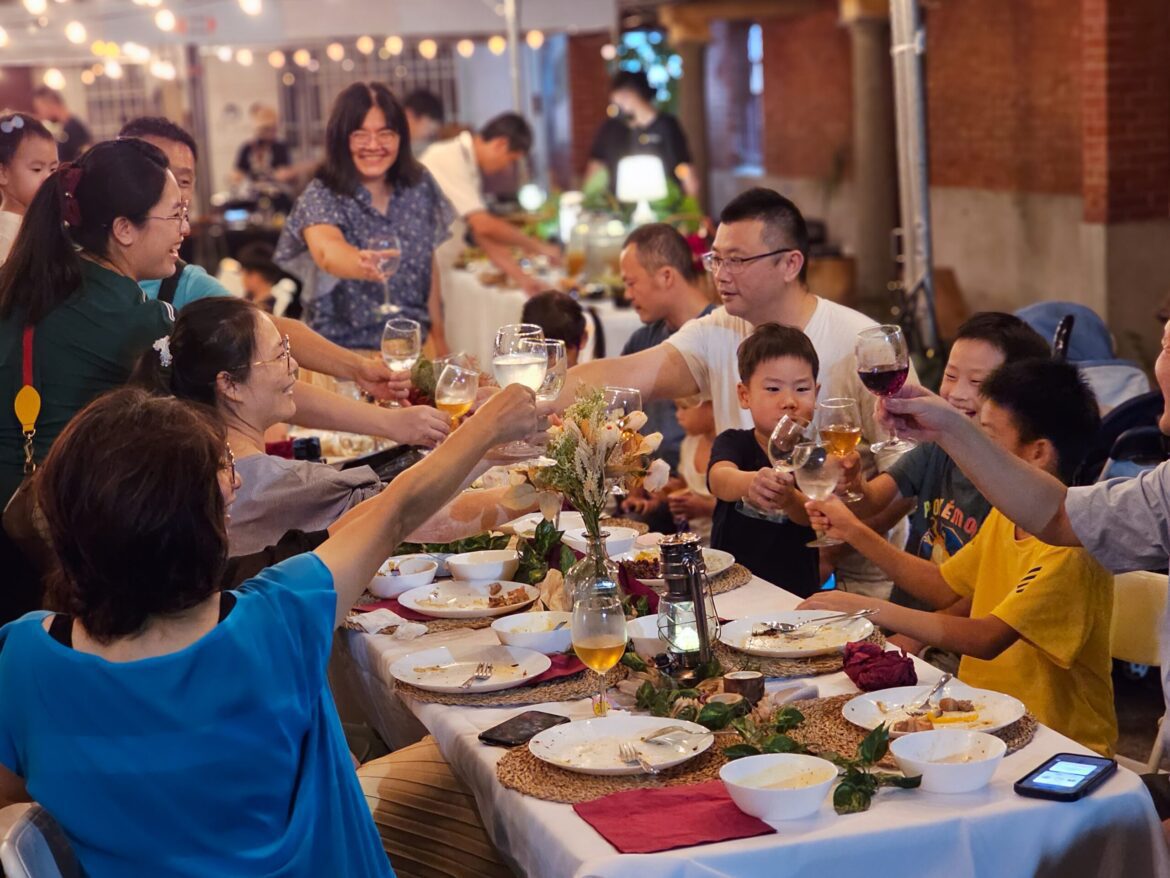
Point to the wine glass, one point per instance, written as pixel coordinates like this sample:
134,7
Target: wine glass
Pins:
388,250
401,346
599,637
883,362
840,427
789,430
817,473
520,357
455,391
621,402
558,370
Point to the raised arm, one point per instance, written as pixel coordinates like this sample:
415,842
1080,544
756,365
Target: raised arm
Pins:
354,554
315,352
334,254
659,372
1031,498
318,408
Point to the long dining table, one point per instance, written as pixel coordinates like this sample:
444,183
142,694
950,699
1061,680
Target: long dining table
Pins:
992,833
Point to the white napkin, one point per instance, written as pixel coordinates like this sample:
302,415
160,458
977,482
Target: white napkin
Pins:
792,692
375,620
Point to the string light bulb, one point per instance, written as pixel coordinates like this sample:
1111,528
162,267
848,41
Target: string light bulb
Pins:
164,19
395,45
465,48
335,51
75,33
113,69
37,7
224,54
244,57
54,79
301,57
428,49
276,58
497,45
3,38
252,7
87,77
365,44
535,39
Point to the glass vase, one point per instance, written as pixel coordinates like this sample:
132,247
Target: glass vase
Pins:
595,574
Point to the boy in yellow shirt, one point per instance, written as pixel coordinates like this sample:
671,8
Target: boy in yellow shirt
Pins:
1030,620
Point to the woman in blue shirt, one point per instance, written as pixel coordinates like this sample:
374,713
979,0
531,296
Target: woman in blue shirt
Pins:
369,187
171,728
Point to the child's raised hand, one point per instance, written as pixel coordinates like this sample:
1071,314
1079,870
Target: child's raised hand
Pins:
832,518
850,473
769,489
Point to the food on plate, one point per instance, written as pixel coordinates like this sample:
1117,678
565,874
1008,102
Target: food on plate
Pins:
950,711
496,597
645,565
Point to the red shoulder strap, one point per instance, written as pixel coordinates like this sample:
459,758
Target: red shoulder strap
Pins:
27,359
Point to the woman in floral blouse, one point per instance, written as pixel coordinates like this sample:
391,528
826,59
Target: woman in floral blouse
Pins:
369,186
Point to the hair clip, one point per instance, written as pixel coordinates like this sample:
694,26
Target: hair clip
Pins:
163,346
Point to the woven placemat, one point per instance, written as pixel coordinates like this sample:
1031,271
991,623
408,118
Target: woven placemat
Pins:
734,660
826,729
582,685
521,771
730,579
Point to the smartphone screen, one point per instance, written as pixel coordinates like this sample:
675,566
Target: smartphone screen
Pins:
1066,776
521,729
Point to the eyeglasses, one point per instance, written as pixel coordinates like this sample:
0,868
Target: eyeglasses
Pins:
231,462
183,216
712,261
385,137
285,354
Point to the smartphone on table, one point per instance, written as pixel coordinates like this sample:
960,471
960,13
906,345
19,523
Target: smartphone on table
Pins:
1066,777
521,728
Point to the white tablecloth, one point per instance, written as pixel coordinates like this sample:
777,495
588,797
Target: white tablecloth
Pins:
990,834
473,312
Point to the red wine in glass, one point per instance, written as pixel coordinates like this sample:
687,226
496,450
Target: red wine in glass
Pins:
884,380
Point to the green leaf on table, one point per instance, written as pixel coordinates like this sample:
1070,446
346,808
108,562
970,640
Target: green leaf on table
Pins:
738,751
568,559
786,719
646,696
874,746
782,744
848,798
635,662
715,716
896,780
709,670
688,713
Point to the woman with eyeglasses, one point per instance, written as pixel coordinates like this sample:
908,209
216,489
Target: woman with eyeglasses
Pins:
174,728
370,188
224,353
70,304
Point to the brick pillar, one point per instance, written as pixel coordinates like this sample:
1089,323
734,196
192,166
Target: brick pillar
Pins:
728,81
588,94
1125,110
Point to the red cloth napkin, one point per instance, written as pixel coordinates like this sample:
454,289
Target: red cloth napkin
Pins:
871,668
648,821
283,448
393,606
563,665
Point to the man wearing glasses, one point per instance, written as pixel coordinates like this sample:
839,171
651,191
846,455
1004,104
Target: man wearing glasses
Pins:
759,265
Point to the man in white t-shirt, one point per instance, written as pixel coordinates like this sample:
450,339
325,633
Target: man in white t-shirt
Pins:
458,165
759,263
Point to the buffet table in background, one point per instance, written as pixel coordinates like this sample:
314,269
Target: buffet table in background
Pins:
993,833
473,311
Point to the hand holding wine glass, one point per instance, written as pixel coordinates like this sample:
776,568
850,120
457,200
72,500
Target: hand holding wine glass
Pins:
840,427
883,364
385,251
520,357
789,430
817,473
599,637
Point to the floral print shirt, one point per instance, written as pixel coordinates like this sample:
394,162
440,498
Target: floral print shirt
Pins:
346,311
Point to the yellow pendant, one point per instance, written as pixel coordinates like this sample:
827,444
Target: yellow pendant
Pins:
27,406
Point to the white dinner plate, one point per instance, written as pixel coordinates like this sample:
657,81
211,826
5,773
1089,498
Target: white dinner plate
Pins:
458,599
525,525
445,668
830,639
716,561
590,746
996,710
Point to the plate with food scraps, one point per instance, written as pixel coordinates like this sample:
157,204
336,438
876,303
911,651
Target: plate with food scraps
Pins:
447,668
525,525
645,564
458,599
592,746
957,706
832,637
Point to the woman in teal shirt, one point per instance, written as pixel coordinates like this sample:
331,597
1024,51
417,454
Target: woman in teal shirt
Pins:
172,728
95,228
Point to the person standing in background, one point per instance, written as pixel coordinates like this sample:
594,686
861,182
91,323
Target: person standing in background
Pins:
264,157
459,165
28,154
636,127
74,138
424,115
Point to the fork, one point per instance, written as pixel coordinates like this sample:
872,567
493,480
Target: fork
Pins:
483,671
791,628
916,707
629,754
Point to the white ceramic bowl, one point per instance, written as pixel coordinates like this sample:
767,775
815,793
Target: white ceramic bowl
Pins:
486,564
643,633
745,781
619,541
412,571
928,754
535,631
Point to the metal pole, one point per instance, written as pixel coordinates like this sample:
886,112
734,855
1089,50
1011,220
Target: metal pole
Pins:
197,92
908,44
512,22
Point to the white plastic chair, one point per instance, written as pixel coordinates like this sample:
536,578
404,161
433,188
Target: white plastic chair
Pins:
34,846
1139,601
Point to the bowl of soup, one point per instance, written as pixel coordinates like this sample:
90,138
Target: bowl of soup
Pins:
949,760
779,786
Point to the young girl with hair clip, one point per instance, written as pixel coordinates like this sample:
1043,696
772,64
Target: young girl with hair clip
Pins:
28,154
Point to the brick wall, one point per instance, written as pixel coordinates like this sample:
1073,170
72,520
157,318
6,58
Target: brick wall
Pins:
728,74
807,95
1126,109
1004,85
588,93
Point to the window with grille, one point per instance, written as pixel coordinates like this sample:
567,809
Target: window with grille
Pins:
751,133
111,103
307,94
